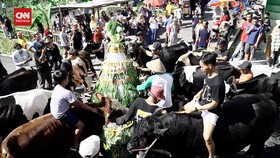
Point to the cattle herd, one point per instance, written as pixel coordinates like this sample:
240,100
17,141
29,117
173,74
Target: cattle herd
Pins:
248,117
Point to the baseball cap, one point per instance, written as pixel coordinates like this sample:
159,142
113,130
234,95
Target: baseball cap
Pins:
157,92
155,46
245,65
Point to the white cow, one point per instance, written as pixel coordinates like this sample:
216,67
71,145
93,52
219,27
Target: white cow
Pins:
32,101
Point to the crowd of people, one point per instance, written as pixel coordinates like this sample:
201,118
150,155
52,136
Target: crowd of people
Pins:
74,34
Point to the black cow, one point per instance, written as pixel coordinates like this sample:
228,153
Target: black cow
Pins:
259,84
190,88
19,80
247,119
3,71
168,55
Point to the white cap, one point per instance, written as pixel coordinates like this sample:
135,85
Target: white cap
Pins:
90,146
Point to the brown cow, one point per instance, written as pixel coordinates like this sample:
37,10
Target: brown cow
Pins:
42,137
47,137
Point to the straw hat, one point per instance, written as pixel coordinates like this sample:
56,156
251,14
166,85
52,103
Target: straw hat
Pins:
156,66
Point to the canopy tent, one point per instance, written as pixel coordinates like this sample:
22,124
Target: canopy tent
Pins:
87,5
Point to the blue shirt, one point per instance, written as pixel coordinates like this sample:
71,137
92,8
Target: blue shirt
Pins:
34,45
167,23
195,22
203,37
253,36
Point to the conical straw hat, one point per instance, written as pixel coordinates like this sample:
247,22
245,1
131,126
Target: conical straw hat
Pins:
156,66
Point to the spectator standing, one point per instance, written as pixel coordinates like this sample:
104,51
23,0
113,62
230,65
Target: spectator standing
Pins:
86,32
173,30
154,27
21,57
40,28
195,21
244,35
254,32
275,47
44,69
198,27
53,53
64,41
217,13
169,9
34,46
266,25
133,23
21,40
203,36
77,38
167,23
9,27
104,47
97,37
3,25
125,26
47,31
93,23
104,15
142,25
4,6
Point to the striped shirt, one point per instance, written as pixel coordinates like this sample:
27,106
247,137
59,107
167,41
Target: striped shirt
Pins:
275,44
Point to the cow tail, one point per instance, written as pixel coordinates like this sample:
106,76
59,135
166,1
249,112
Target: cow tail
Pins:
13,147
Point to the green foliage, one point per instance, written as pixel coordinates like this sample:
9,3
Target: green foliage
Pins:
7,45
115,138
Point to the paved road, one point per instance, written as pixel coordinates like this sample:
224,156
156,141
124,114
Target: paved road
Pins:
272,149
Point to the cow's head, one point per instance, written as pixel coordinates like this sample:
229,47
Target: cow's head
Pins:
132,49
273,85
145,132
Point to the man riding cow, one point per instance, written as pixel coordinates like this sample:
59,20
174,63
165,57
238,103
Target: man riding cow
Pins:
209,99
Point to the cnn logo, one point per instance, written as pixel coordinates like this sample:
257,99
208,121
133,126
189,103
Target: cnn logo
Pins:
22,16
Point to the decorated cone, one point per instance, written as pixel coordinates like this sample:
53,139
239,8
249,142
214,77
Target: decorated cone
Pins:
118,78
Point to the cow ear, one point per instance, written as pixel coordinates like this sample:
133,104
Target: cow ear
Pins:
160,132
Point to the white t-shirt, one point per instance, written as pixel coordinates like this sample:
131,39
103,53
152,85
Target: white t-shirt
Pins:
4,5
63,38
153,23
165,81
61,99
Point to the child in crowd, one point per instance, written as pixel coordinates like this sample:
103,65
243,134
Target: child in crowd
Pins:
60,106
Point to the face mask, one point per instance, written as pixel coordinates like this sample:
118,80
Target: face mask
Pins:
19,51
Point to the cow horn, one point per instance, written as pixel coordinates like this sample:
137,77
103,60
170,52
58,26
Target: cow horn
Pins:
160,132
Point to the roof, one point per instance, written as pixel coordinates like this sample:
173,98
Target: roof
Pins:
91,4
